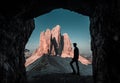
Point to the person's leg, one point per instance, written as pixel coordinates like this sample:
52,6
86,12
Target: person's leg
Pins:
78,73
71,64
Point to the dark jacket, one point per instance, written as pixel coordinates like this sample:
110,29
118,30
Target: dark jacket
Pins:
76,53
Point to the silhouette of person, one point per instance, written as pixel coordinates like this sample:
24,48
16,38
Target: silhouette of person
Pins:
75,59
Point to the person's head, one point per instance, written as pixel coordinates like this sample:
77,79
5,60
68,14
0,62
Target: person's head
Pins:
74,44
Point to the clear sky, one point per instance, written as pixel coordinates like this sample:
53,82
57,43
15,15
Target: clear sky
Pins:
76,25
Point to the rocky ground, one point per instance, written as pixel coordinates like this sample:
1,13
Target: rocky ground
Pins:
60,78
54,69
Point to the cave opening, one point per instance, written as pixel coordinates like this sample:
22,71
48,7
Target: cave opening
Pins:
17,24
59,23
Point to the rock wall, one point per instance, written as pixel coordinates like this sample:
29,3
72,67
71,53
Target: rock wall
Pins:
55,40
105,42
14,34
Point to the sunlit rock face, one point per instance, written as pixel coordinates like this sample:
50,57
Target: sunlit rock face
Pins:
55,40
53,43
56,33
67,47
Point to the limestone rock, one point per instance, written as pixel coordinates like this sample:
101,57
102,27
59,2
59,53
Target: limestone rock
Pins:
56,33
53,43
67,48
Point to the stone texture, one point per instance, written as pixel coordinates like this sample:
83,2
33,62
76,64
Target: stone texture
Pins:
56,33
30,9
43,45
67,47
105,34
55,40
14,34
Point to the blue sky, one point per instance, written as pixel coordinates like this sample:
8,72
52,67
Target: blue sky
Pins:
76,25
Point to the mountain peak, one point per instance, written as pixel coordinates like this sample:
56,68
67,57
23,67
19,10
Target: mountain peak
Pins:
53,43
65,34
57,26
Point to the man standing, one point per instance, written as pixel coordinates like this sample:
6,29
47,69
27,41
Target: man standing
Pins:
75,59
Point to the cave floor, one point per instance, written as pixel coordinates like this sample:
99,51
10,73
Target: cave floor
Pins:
60,78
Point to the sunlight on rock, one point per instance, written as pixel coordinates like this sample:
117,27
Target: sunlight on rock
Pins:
31,59
84,60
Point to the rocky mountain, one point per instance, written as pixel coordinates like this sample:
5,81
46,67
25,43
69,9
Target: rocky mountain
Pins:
53,43
67,47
